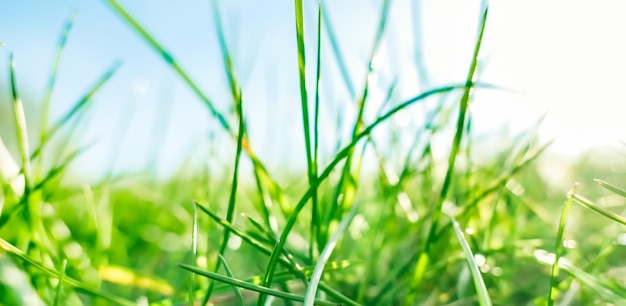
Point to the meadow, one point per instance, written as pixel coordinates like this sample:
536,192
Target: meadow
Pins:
424,213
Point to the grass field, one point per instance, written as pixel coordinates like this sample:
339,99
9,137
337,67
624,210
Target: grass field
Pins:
386,218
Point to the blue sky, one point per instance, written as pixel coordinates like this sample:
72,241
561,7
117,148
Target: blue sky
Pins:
564,57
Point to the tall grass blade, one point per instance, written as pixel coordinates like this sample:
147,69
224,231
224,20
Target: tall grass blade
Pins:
315,213
237,100
558,245
479,283
45,109
424,258
20,127
343,69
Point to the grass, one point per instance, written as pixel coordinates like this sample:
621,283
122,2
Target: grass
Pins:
377,221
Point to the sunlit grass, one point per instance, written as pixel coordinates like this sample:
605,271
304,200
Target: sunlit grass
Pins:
375,222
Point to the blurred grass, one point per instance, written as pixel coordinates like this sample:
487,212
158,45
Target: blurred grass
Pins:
365,228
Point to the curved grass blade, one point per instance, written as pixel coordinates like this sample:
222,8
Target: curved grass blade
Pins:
9,248
338,158
479,283
252,287
611,187
311,291
590,205
169,59
424,259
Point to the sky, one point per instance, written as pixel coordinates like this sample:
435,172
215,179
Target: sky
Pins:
560,58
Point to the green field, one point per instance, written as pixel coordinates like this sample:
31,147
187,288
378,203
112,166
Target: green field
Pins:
386,218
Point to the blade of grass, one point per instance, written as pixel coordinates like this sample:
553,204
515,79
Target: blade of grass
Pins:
558,244
252,287
311,291
424,259
238,101
45,109
594,207
315,214
20,127
611,187
479,283
343,69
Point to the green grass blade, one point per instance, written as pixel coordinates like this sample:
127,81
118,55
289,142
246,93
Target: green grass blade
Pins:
315,214
424,259
229,273
45,110
343,69
233,193
611,187
169,59
311,291
479,283
304,101
558,245
20,127
594,207
241,131
252,287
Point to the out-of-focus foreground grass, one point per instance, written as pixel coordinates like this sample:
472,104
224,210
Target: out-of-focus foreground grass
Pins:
386,219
